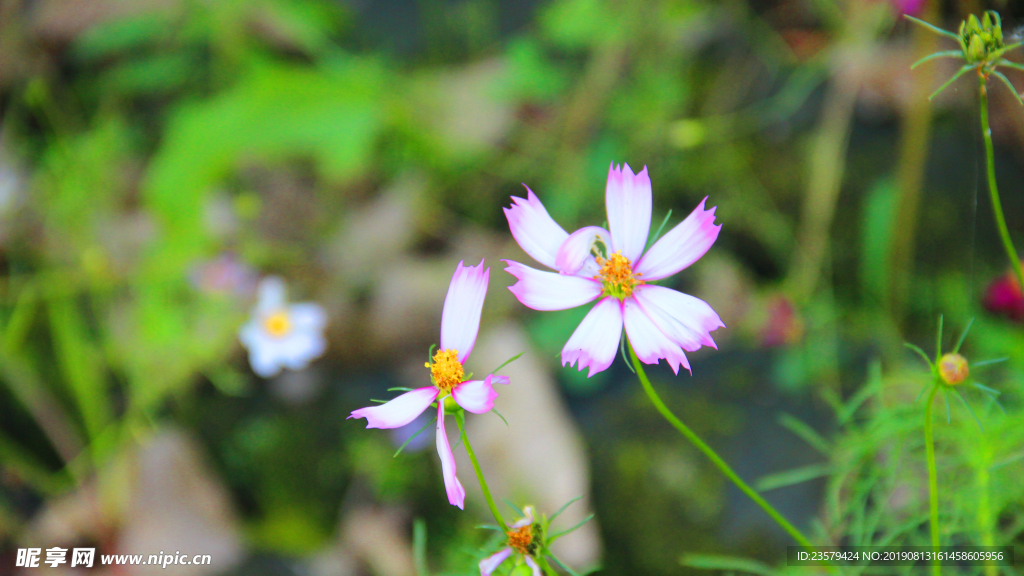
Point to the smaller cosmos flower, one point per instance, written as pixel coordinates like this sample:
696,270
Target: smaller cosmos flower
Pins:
613,267
281,335
523,541
451,388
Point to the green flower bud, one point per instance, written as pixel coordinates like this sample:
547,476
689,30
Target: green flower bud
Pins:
976,49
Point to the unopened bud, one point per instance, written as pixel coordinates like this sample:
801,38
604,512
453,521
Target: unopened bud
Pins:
953,369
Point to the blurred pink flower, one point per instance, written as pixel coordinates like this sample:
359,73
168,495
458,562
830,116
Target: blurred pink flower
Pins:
597,264
912,7
784,325
520,540
460,322
1003,296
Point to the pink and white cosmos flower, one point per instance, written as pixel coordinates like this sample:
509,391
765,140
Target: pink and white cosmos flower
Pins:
521,540
460,323
610,266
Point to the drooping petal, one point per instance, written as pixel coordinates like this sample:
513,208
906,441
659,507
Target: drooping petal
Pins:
550,291
456,493
535,231
307,315
686,320
649,342
533,566
399,411
574,254
491,563
596,339
460,318
525,520
477,396
627,199
680,246
271,295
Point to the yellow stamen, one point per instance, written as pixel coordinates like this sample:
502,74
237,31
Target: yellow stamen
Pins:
277,324
521,538
617,276
446,370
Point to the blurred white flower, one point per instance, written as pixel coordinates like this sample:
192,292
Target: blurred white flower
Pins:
281,335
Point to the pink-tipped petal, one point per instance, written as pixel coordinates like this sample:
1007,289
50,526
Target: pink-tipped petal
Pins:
686,320
574,256
399,411
499,379
477,396
680,246
537,234
456,493
649,342
460,318
525,520
550,291
491,563
596,339
533,566
627,199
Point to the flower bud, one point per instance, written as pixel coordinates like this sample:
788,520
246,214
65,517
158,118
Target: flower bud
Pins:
953,369
981,40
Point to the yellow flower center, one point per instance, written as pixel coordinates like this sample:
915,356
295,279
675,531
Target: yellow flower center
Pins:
617,276
953,368
277,324
521,538
446,370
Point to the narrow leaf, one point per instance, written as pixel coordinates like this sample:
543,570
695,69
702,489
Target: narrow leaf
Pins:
938,341
949,416
988,362
570,530
944,54
413,437
419,546
805,432
791,477
984,388
963,336
622,350
959,73
726,563
969,409
399,389
1006,81
489,527
1009,64
562,509
498,414
924,356
514,507
509,361
657,233
561,564
931,27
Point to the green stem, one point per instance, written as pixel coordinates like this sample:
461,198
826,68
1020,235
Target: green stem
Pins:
933,482
985,523
713,456
460,422
990,163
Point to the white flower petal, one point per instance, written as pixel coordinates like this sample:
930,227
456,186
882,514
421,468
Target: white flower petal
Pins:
628,202
460,319
680,246
456,493
299,347
399,411
535,231
476,396
596,339
307,315
574,254
550,291
271,295
491,563
649,342
686,320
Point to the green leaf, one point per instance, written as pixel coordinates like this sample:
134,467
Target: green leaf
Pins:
943,54
805,433
562,509
570,530
989,362
969,409
727,563
961,72
498,414
1006,81
413,437
938,340
514,507
791,477
561,565
507,362
931,27
419,546
399,389
963,336
924,356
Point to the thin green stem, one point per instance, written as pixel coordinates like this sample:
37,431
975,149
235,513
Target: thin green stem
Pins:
933,482
713,456
990,163
460,421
